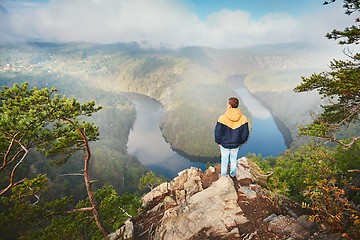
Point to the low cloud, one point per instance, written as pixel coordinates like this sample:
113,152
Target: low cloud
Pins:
157,21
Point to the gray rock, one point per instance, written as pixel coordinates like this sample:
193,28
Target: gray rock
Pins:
247,192
305,222
157,192
270,218
212,169
214,210
124,233
169,202
188,180
290,227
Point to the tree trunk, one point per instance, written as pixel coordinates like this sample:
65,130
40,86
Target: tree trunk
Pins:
87,180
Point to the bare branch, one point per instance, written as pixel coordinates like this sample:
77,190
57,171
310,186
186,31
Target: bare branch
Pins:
351,113
12,174
37,197
80,210
13,185
345,145
71,174
6,156
7,153
126,213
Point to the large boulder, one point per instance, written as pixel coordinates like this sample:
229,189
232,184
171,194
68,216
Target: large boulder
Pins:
214,210
187,183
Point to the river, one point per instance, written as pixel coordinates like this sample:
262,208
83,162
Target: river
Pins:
149,146
265,138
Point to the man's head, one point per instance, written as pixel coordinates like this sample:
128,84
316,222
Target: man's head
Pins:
233,102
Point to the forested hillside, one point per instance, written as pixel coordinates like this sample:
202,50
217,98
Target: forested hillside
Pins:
190,82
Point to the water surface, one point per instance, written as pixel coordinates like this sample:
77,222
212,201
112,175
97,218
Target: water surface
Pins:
264,138
149,146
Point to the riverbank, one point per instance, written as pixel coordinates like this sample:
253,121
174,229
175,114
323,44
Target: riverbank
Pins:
150,147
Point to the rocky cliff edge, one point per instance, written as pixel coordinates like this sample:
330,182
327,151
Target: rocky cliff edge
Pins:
202,205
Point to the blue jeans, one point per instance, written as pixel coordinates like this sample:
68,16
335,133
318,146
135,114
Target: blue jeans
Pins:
226,155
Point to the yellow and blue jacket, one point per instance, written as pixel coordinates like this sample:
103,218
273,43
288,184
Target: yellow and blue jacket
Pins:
232,129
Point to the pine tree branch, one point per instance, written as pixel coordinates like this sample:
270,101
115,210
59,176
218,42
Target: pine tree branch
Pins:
346,145
6,156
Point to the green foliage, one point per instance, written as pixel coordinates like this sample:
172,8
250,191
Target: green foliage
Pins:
316,176
294,171
25,209
331,205
114,168
39,119
23,216
110,163
332,208
65,227
42,120
342,86
114,210
149,180
350,35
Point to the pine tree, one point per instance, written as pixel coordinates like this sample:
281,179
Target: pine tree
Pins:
43,121
340,86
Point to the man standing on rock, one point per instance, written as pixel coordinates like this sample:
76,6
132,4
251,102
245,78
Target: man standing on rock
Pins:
230,132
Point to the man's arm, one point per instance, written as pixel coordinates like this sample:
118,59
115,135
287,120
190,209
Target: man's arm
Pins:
244,133
218,132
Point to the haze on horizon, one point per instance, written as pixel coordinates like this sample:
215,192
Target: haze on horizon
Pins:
225,24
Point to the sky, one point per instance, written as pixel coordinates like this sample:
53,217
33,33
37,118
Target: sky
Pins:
212,23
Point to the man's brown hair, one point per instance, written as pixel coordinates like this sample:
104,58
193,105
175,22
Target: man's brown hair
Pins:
234,102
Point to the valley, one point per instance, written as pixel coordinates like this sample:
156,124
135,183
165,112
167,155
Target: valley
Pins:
178,78
191,83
